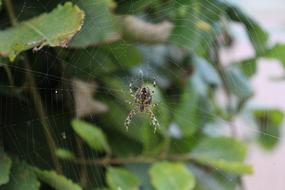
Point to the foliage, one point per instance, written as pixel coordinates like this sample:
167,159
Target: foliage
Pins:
56,181
5,166
37,32
93,136
65,74
121,178
269,122
211,151
166,176
22,177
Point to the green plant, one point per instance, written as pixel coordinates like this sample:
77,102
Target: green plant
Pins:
65,74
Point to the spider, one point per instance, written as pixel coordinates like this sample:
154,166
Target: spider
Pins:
142,103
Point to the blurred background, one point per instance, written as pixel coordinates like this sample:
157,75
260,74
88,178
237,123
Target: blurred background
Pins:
269,166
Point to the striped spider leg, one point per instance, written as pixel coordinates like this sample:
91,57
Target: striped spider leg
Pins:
128,120
154,121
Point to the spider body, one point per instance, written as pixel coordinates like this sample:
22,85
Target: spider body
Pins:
142,103
143,98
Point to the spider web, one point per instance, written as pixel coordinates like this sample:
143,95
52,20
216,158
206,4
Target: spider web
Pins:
57,91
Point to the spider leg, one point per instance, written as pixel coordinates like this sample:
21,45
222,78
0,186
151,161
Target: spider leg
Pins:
129,118
129,102
154,105
131,90
154,121
154,86
154,83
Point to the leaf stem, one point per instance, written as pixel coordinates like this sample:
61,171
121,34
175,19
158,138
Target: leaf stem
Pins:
41,112
11,12
221,71
36,96
9,75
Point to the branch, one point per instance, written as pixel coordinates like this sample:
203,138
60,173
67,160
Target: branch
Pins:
130,160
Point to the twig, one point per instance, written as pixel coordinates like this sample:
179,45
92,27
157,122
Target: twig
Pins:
83,169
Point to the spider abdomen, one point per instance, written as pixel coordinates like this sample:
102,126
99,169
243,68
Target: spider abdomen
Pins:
143,98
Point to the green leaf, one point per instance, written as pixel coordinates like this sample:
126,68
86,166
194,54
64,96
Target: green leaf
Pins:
58,182
54,29
248,67
99,25
238,83
64,154
269,123
141,171
277,52
118,178
22,177
256,34
214,180
222,153
91,134
5,166
171,176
